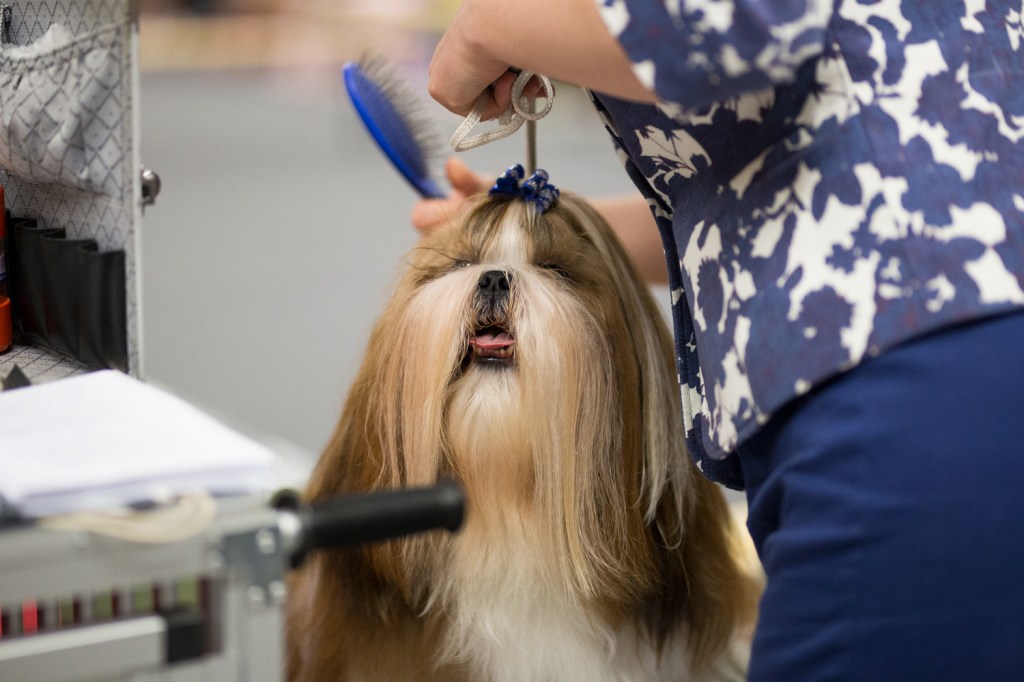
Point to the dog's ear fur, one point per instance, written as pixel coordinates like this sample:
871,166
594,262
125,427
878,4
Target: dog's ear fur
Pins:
700,580
339,597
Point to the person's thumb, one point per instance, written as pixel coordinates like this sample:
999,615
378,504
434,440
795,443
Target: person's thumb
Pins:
463,179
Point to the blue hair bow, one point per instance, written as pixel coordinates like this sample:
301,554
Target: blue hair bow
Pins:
535,189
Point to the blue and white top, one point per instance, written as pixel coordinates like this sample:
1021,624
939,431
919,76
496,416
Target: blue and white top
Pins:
830,180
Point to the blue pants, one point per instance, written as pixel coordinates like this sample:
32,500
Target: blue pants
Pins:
887,507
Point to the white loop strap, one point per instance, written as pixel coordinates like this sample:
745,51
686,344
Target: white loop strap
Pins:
509,121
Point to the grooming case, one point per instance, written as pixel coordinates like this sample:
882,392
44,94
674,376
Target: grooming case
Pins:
69,166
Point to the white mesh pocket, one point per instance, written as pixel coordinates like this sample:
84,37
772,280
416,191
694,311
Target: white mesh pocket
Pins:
61,115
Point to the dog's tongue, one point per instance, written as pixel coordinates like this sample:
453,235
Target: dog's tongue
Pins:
493,340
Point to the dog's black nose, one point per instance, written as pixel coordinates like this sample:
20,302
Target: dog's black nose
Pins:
494,283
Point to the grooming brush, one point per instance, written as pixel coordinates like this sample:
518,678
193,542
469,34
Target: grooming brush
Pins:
393,114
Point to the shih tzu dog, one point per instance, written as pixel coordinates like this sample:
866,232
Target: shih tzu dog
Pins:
522,356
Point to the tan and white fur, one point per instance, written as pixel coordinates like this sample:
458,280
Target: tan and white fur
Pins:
522,356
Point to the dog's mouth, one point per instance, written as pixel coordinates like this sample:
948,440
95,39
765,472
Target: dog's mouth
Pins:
492,345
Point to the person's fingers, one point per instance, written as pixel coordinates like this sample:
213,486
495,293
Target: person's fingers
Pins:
535,88
463,179
430,215
501,96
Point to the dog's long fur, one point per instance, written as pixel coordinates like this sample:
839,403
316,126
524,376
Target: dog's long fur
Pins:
592,548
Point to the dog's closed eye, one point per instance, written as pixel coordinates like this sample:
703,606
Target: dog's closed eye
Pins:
556,268
455,265
430,272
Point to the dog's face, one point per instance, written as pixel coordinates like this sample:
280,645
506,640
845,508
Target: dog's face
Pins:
529,322
513,271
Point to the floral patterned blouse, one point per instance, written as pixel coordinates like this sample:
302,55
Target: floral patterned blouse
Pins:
830,179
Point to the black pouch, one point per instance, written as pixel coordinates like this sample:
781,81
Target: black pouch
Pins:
102,322
67,295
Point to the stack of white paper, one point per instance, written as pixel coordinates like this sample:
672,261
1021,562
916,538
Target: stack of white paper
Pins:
104,439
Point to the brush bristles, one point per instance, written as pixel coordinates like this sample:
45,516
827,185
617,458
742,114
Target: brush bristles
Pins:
410,109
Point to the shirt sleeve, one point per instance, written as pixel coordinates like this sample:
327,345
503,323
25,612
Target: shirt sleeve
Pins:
695,52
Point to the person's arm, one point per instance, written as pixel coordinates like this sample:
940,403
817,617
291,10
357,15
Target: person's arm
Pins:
563,39
690,54
630,219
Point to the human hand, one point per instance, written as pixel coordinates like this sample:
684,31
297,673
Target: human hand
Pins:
431,215
488,39
463,67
